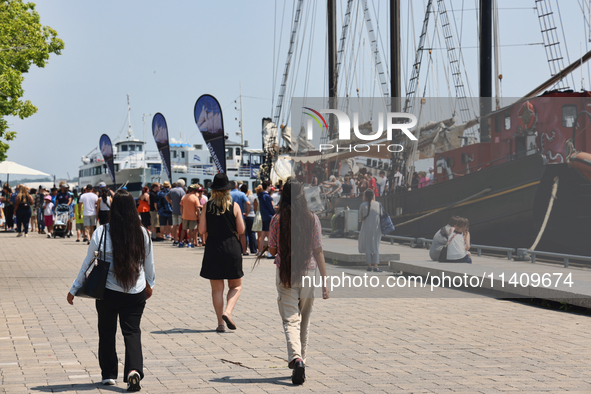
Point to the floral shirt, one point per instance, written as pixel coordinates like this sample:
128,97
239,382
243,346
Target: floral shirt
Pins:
316,239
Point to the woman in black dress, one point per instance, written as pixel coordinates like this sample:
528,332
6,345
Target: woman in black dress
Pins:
222,221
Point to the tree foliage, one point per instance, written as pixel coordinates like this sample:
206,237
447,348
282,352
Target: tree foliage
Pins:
23,42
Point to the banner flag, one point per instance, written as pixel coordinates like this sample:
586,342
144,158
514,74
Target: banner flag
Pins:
208,116
160,132
107,151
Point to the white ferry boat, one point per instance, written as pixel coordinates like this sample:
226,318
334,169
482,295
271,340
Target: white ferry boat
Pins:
192,163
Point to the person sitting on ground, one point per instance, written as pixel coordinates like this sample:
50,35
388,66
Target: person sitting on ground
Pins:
459,243
440,238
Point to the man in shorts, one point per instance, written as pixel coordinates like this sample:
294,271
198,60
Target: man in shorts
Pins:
88,201
165,210
174,199
190,207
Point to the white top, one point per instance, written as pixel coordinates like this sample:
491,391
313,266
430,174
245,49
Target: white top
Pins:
457,247
276,197
88,201
48,210
251,199
104,206
398,179
353,186
146,273
382,183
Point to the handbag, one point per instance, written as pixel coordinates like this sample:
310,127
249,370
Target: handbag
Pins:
257,224
385,221
443,253
96,275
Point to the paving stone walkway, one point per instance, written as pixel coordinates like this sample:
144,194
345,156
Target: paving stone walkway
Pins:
377,345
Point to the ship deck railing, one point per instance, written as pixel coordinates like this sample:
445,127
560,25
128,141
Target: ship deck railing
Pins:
566,258
512,253
426,243
241,172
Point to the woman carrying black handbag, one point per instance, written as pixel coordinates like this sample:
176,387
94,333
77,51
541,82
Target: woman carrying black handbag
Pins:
128,249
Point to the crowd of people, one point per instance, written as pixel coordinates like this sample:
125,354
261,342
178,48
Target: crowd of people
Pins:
355,185
225,222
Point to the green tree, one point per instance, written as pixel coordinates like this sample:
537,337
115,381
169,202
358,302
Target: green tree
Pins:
23,42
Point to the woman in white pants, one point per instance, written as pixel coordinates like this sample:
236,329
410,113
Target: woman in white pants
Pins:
294,225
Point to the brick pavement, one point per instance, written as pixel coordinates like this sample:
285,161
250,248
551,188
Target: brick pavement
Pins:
379,345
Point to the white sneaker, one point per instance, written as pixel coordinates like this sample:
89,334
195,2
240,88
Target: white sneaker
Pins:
109,382
19,235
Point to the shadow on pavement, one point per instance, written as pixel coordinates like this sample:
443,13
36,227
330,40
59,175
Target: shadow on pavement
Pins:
277,380
181,331
60,388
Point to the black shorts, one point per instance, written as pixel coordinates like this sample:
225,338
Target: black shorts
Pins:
145,217
266,224
166,220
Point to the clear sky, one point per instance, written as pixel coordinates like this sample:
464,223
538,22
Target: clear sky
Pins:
166,54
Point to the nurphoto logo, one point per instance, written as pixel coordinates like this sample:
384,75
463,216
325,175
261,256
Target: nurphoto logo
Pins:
393,120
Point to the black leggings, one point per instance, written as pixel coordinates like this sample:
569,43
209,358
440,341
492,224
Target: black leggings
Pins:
9,216
129,308
23,217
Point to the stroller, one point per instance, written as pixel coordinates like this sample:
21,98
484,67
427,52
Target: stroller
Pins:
62,215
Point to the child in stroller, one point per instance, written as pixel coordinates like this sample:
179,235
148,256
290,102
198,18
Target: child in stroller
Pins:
62,216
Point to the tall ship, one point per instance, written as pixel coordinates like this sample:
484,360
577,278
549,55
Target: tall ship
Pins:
520,172
136,167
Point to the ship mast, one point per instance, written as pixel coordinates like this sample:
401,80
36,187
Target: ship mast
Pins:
395,72
485,45
332,62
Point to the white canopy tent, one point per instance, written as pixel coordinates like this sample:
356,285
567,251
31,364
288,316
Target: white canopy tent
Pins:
10,167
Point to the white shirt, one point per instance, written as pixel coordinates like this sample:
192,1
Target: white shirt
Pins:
398,179
251,199
457,247
48,210
353,186
88,201
382,184
146,273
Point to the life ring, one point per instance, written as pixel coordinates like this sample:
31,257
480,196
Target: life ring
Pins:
527,115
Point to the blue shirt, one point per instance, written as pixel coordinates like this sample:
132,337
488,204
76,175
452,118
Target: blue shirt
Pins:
239,198
164,207
266,203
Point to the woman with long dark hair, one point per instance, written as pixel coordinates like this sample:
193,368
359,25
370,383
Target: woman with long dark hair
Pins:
131,278
222,220
103,205
8,207
371,231
295,239
23,211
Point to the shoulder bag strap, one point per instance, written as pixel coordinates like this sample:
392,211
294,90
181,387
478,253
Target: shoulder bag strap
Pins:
103,242
452,237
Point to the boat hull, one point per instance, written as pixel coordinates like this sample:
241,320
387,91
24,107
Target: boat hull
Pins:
507,208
